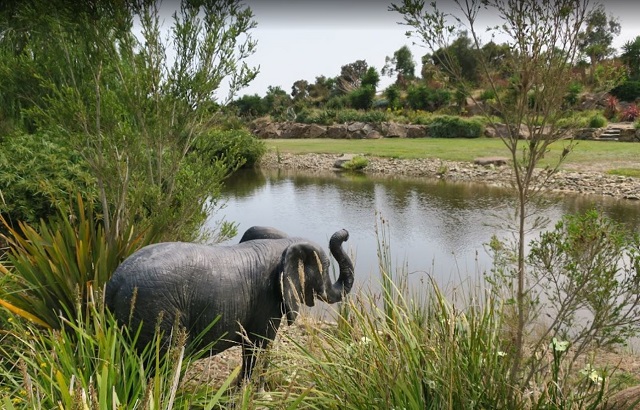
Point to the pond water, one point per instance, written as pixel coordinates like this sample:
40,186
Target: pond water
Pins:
435,228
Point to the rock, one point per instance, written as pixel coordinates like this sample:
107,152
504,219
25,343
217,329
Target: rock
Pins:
342,159
587,133
417,131
269,130
484,161
315,131
338,131
393,130
501,131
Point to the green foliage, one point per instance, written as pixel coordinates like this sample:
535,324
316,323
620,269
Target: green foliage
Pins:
129,108
370,78
627,91
393,96
401,63
421,97
362,98
597,121
631,58
238,147
597,36
455,127
54,265
588,265
574,90
250,106
357,163
91,363
40,173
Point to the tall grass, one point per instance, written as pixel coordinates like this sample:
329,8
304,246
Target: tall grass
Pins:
410,348
91,363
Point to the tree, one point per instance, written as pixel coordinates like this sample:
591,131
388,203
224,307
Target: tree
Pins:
544,41
300,90
597,37
462,55
631,58
362,97
350,76
401,64
133,111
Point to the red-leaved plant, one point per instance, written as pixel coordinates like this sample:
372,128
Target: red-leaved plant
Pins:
611,107
631,113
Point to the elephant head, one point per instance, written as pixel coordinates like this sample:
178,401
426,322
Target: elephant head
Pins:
305,275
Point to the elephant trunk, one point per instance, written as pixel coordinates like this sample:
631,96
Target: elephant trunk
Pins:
343,285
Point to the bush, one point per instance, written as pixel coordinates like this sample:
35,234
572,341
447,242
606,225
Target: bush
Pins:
597,121
55,264
631,113
238,146
487,94
39,174
357,163
362,98
571,98
627,91
421,97
455,127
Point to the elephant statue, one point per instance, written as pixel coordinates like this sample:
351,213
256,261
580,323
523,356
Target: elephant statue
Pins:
247,286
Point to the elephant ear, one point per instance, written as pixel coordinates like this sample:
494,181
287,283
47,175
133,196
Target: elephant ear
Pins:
302,268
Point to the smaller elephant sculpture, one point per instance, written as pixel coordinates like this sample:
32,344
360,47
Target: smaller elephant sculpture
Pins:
248,287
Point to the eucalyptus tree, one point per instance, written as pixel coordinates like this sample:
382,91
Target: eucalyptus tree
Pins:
543,38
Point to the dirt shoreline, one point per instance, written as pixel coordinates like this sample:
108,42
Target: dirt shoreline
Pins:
588,181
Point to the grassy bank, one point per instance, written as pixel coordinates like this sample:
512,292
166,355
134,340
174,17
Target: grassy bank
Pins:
613,157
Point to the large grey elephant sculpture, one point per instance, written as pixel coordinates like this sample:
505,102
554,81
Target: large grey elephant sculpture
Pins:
249,286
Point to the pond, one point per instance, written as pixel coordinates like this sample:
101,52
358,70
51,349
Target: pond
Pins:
435,228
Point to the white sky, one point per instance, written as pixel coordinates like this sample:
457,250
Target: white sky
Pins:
303,39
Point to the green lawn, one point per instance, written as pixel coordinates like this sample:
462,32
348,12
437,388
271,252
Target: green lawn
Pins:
615,157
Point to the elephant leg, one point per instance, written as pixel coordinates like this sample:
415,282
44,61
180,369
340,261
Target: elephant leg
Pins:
253,349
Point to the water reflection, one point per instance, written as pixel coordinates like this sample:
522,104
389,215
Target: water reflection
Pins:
437,227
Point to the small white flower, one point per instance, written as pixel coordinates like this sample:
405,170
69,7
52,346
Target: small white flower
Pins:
591,373
364,341
559,346
501,353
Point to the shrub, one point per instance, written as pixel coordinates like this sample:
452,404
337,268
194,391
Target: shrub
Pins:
487,94
357,163
347,115
238,146
630,113
597,121
39,174
393,95
373,116
362,98
338,102
627,91
455,127
611,107
421,97
55,264
571,98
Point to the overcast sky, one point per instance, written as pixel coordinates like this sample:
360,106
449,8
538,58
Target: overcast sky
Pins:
303,39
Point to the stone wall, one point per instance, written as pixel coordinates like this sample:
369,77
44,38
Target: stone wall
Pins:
266,129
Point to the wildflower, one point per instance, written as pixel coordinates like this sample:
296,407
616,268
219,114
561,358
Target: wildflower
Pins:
501,353
591,373
364,340
43,365
559,346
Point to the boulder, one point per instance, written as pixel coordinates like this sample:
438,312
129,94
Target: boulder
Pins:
337,131
417,131
393,130
268,130
486,161
314,131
